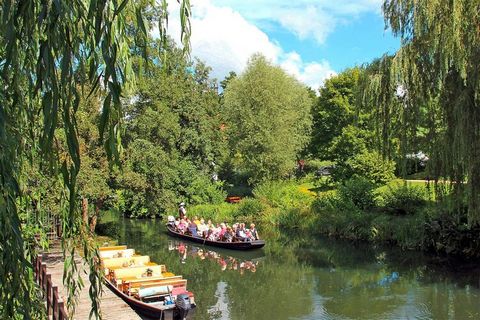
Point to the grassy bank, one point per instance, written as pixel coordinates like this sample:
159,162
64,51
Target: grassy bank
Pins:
401,213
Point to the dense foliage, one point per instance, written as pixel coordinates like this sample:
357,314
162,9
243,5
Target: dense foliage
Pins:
173,139
49,52
69,106
438,68
267,120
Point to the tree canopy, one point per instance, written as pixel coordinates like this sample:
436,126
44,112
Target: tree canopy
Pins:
438,66
48,51
267,117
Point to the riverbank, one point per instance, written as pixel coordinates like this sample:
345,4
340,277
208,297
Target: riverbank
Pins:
303,276
400,213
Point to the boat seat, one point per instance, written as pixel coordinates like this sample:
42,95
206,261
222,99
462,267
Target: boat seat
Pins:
126,253
137,272
133,280
112,248
173,282
154,291
126,261
168,274
132,284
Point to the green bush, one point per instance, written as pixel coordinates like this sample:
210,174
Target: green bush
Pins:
368,164
404,200
342,219
408,232
282,194
215,212
359,191
202,190
296,218
248,208
450,234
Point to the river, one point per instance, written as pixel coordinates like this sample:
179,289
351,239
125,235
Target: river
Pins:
306,277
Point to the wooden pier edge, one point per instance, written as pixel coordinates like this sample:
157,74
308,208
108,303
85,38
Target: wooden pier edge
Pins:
55,305
48,273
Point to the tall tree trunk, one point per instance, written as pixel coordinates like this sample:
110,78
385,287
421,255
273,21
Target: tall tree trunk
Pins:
94,219
85,211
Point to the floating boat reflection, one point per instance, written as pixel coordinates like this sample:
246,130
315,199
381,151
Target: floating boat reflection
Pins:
239,263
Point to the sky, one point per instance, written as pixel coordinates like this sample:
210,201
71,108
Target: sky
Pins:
311,40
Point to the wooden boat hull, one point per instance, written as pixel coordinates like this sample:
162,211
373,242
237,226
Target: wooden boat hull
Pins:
247,245
147,309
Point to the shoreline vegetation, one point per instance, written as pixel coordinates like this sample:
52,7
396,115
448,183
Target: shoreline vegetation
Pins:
400,213
97,113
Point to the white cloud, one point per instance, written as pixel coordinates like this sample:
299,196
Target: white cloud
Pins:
225,40
311,73
309,22
314,19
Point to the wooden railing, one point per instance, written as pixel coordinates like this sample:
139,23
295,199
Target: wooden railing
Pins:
55,304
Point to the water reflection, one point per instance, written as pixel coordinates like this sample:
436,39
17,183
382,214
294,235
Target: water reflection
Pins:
225,262
306,277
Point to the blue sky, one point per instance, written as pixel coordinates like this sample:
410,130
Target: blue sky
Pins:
310,39
354,43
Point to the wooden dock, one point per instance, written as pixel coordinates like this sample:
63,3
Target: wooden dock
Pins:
111,306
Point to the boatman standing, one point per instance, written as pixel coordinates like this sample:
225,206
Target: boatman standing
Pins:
182,212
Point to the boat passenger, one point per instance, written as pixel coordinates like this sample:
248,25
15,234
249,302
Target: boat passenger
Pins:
192,229
196,220
202,228
228,236
171,221
240,234
177,222
254,232
182,226
223,229
182,212
211,235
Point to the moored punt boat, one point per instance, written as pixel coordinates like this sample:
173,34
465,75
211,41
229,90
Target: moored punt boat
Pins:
240,245
146,286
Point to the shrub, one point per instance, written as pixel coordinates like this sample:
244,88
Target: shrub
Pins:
215,212
282,194
359,191
248,208
368,164
202,190
449,233
404,199
296,218
406,231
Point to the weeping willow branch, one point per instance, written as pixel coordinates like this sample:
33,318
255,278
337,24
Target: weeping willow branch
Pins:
48,48
438,63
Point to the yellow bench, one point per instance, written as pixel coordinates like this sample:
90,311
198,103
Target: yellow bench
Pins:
175,281
137,272
112,248
123,253
126,262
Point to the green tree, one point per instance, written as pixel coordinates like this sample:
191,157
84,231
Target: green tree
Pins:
335,108
173,136
94,176
267,116
44,46
438,65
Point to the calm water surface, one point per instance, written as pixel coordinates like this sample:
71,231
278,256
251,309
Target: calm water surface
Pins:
305,277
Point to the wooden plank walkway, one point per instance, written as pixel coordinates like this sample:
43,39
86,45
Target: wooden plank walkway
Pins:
111,306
